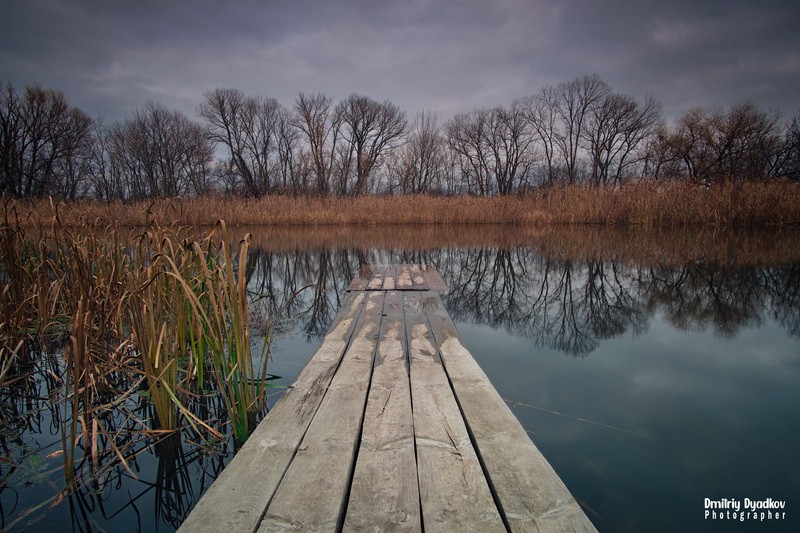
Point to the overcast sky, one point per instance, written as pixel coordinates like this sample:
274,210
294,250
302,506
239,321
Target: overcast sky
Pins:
112,56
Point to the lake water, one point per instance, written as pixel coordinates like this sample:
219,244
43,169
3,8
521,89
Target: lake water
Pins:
654,370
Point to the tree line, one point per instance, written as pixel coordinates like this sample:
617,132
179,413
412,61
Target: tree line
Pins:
576,132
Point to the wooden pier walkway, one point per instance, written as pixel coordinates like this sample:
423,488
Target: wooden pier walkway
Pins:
391,426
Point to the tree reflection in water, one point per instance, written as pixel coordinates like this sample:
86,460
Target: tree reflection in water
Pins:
567,289
564,297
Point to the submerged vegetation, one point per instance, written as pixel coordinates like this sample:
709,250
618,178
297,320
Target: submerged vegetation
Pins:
161,318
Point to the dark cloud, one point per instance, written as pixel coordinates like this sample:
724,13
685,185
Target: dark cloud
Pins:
111,57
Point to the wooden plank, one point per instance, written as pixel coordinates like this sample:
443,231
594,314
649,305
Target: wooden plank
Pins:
454,493
237,499
389,278
384,494
531,495
417,278
404,278
312,494
376,282
434,281
362,279
426,456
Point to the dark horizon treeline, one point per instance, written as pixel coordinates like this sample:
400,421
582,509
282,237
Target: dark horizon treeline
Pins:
576,132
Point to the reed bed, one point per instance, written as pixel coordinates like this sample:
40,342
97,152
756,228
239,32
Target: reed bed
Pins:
162,318
148,299
661,204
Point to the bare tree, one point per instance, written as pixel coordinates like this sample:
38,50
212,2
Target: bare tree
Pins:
541,112
511,147
658,160
71,167
11,128
248,126
465,136
618,128
419,165
106,183
687,143
745,139
291,167
786,158
158,152
718,145
558,117
370,128
42,112
576,99
316,119
43,143
495,146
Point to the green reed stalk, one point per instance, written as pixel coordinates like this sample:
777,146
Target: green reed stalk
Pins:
153,323
217,293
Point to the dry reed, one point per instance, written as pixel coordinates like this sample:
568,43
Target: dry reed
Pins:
647,203
164,311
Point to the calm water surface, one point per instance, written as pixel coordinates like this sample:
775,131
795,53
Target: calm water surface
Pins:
653,371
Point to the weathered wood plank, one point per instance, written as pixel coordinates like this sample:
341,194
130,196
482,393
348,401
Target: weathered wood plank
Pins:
531,495
237,499
454,463
389,278
384,494
417,278
376,282
404,278
453,490
361,280
434,281
311,496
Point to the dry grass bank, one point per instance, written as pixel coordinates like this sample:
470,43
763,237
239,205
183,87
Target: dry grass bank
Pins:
649,204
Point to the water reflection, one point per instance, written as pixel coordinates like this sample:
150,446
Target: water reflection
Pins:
569,289
573,305
567,301
129,478
302,290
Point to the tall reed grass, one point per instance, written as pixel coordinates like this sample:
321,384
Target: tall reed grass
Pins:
160,310
668,203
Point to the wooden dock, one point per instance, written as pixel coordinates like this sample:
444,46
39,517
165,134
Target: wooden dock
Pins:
391,426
